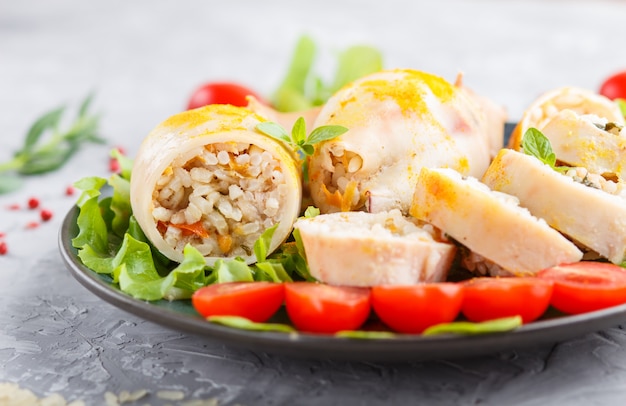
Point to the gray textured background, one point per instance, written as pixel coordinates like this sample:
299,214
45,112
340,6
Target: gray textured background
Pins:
143,59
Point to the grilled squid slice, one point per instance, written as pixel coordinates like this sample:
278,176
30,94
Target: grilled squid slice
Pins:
585,206
588,141
489,223
369,249
398,121
206,177
548,105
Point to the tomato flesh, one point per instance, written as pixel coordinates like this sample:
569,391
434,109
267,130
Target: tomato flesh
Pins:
319,308
220,93
493,298
586,286
614,87
412,309
256,301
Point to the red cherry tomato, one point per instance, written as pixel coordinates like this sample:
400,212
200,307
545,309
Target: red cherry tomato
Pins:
220,93
256,301
412,309
586,286
494,298
614,87
319,308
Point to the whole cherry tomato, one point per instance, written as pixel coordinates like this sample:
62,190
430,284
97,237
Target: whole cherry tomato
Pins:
220,93
614,87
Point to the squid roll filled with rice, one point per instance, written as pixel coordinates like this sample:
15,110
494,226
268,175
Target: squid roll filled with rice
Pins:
208,178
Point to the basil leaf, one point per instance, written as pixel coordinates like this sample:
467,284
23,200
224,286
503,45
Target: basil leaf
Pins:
274,130
247,324
325,133
468,328
538,145
307,149
298,132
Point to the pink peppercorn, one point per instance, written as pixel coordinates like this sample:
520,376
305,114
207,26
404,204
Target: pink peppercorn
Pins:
45,214
33,203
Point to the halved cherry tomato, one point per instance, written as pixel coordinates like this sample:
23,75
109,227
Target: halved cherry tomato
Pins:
319,308
614,87
256,301
494,298
586,286
220,93
412,309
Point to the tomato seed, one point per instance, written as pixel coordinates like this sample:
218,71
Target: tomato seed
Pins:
33,203
3,248
45,215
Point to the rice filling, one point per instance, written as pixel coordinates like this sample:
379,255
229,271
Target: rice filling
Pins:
220,200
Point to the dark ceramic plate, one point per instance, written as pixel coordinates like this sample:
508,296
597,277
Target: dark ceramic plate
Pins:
181,316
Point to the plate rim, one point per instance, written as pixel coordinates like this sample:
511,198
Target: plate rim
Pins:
405,348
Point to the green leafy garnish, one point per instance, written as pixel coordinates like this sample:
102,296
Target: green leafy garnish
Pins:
468,328
46,147
301,89
366,335
298,140
247,324
535,143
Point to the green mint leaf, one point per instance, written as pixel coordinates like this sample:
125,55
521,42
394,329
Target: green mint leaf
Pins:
538,145
325,133
247,324
298,132
275,131
468,328
49,120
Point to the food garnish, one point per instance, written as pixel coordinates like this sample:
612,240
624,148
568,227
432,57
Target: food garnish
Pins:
41,154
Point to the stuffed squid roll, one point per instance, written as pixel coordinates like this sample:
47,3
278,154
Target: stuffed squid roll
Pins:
206,177
398,121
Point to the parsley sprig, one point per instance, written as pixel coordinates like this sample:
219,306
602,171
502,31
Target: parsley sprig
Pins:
46,147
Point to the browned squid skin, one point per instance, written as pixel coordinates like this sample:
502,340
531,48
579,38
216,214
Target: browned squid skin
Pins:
398,121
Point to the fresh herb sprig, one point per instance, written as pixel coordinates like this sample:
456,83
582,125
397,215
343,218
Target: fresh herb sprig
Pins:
298,140
535,143
46,147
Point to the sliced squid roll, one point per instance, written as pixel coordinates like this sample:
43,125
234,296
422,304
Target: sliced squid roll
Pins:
489,223
398,121
585,206
588,141
206,177
369,249
549,104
